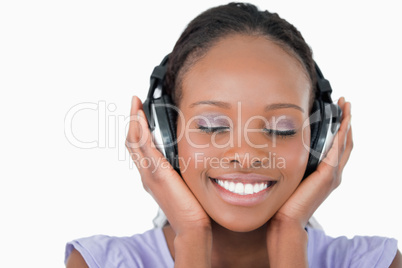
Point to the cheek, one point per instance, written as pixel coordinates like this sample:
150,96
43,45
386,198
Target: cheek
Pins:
198,151
194,151
293,156
196,155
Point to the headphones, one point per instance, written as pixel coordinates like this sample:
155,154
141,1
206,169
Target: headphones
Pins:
161,114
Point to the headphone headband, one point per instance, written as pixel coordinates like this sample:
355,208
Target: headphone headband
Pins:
324,87
157,76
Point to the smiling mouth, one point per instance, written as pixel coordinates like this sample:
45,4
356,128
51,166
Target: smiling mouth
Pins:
241,188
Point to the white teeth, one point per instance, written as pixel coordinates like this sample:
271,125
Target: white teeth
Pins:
226,185
262,186
241,188
248,189
232,186
256,188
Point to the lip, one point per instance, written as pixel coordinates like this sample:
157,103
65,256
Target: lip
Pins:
243,200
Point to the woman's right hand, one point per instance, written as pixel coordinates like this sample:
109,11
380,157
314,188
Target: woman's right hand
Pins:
189,221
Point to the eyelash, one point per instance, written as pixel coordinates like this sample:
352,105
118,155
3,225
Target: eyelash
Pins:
212,129
271,132
281,133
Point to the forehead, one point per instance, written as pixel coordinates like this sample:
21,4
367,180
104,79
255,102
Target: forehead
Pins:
251,69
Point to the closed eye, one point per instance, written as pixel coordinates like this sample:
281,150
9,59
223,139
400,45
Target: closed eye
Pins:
280,133
213,129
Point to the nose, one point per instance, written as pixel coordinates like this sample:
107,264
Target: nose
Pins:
249,150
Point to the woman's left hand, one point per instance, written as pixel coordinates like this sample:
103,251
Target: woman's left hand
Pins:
313,190
285,232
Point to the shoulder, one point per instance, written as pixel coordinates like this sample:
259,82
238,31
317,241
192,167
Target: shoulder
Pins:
359,251
397,263
75,260
148,249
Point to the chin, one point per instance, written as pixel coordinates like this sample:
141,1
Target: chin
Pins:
241,224
243,228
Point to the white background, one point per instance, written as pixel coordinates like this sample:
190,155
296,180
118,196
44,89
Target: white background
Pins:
55,55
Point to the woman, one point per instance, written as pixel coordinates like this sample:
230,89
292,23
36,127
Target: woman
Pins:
244,83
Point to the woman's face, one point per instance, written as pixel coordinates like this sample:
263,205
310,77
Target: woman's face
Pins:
241,133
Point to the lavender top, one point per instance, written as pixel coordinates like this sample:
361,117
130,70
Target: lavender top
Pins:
150,250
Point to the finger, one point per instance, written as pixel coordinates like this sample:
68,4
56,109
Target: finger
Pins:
153,160
346,109
148,159
348,149
148,146
341,102
348,140
132,129
138,127
135,138
136,105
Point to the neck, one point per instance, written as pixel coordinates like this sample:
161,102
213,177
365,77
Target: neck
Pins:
232,249
239,249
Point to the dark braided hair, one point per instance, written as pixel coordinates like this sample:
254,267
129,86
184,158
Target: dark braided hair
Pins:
234,18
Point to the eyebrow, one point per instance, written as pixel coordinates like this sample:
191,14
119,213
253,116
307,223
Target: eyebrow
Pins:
225,105
277,106
220,104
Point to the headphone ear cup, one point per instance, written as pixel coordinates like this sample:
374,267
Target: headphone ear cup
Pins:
315,130
324,124
161,115
315,126
171,114
166,115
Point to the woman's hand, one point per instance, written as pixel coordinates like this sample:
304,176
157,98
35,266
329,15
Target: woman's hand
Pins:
187,218
316,188
292,217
